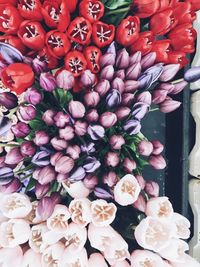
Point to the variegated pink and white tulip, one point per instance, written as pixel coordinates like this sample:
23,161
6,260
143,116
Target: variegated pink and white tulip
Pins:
77,189
96,259
182,226
80,211
141,258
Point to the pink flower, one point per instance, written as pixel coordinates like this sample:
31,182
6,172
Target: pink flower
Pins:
108,119
80,211
116,141
129,165
73,151
152,188
76,190
8,256
141,258
127,190
31,259
110,179
140,203
96,259
64,165
74,259
159,207
52,255
182,226
76,109
112,159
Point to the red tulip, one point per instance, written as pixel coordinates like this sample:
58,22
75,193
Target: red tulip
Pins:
177,57
195,4
143,43
71,5
162,48
183,13
14,41
164,4
30,10
145,8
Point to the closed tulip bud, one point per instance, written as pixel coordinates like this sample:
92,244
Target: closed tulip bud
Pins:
55,157
141,181
90,181
61,119
120,74
148,60
77,175
118,84
41,190
47,82
8,100
102,87
102,193
41,158
58,144
87,79
67,133
131,85
27,149
33,96
159,96
145,81
62,177
178,87
152,188
122,113
157,162
134,71
129,165
39,66
45,208
192,75
107,73
26,113
114,98
92,115
132,127
145,148
110,179
127,99
136,57
64,165
73,151
14,156
122,60
2,160
20,130
65,80
145,97
6,175
112,159
76,109
12,187
91,99
108,119
116,141
166,86
169,105
44,175
169,72
80,128
56,197
107,59
88,148
157,147
140,110
140,204
96,132
48,117
91,164
41,138
112,49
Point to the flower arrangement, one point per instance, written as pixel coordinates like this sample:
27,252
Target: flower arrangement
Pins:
77,79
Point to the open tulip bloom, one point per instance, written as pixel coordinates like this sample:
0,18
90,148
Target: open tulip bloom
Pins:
77,80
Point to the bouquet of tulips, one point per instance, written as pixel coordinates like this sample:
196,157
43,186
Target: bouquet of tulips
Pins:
77,79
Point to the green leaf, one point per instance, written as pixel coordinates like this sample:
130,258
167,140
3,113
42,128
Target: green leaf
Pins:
30,185
114,4
63,97
37,124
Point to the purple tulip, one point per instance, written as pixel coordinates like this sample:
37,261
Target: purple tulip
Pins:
65,80
91,164
133,72
47,81
131,85
87,79
145,148
145,81
55,157
48,117
41,138
56,197
122,113
120,74
5,125
33,96
12,187
169,72
118,84
26,113
159,96
156,71
90,181
107,73
27,149
148,60
91,99
166,87
112,49
39,66
45,208
41,190
178,87
102,87
77,175
102,193
122,60
8,100
140,110
45,175
61,119
64,165
10,54
6,175
73,151
107,59
127,99
136,57
88,148
169,105
192,75
157,162
145,97
41,159
14,156
92,115
132,127
114,98
20,130
96,132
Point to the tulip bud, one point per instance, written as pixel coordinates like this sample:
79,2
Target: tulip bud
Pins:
127,99
41,158
41,138
145,81
20,130
14,156
33,96
108,119
77,175
118,84
132,127
39,66
192,75
152,188
47,82
134,71
88,148
91,99
166,86
91,164
140,110
6,175
45,208
122,60
169,105
41,190
92,115
102,193
62,177
2,160
129,165
157,162
67,133
73,151
90,181
110,179
159,96
112,159
122,113
80,128
102,87
8,100
107,73
120,74
87,79
107,59
76,109
178,87
131,85
157,147
56,197
136,57
96,132
26,113
58,143
27,149
145,97
141,181
169,72
145,148
111,49
64,165
12,187
140,204
65,80
113,98
55,157
116,141
148,60
61,119
44,175
48,117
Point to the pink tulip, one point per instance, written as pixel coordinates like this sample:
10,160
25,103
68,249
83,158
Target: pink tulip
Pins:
102,87
80,128
145,258
66,133
61,119
64,165
129,165
116,141
73,151
127,99
65,80
110,179
41,138
45,175
91,99
141,181
11,187
157,162
145,148
27,149
55,157
112,159
76,109
62,177
92,115
152,188
140,204
48,117
14,156
90,181
58,143
87,79
118,84
145,97
108,119
41,190
96,259
157,147
122,112
107,73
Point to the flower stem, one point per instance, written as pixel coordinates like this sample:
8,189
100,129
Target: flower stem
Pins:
177,81
8,145
118,11
29,167
153,109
